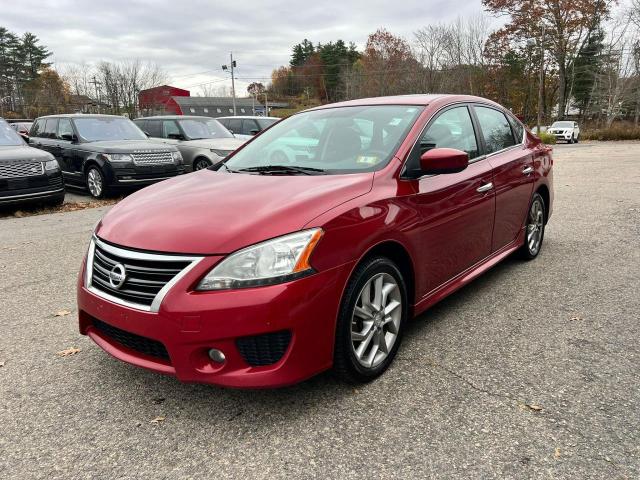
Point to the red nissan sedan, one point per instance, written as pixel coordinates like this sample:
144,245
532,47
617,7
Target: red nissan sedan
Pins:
312,245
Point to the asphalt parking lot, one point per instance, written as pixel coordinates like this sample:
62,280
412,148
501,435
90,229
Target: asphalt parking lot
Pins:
531,371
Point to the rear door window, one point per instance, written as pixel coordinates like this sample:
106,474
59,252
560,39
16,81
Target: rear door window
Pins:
64,128
249,126
496,130
170,127
235,125
37,128
154,128
50,128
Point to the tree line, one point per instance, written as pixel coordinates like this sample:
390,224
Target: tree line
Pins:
588,51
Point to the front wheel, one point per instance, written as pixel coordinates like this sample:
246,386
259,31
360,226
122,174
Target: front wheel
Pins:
534,234
371,320
201,164
95,182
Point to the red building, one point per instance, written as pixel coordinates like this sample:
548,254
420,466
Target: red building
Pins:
158,100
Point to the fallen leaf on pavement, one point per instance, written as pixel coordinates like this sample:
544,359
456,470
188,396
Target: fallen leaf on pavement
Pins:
535,408
577,318
2,363
157,420
557,452
68,352
62,313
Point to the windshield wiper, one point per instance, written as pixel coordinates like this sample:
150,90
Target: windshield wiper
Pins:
284,169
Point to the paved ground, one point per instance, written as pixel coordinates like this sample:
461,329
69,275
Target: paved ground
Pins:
560,334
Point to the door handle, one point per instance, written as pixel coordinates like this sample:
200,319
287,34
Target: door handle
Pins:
527,171
485,188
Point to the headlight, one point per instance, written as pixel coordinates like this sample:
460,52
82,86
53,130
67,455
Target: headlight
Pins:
51,165
177,157
119,157
222,153
267,263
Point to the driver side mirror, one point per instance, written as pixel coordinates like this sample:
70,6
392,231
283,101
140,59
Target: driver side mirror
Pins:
443,160
254,132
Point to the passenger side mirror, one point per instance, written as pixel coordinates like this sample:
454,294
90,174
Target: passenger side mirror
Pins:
254,132
69,137
443,160
175,136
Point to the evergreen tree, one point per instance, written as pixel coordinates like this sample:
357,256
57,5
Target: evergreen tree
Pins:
587,65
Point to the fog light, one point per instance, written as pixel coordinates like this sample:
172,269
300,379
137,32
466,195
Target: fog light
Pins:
216,355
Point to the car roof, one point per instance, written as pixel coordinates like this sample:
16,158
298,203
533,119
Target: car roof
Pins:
255,117
175,117
415,99
80,115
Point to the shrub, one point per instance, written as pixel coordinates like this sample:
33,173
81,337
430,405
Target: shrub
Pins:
547,138
612,133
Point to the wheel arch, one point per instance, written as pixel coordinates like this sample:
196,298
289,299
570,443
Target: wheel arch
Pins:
398,254
543,190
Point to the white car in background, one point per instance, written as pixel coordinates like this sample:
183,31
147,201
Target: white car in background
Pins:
245,127
565,130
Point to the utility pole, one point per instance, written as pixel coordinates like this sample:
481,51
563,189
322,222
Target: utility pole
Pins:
541,83
231,66
266,104
95,84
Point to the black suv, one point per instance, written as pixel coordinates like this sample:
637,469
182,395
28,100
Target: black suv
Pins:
27,174
100,152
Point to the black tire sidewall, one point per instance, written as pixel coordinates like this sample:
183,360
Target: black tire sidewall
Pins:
201,161
344,357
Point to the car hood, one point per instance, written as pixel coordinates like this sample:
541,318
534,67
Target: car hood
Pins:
22,154
209,212
217,143
127,146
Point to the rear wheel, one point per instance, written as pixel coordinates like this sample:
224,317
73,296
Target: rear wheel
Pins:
201,164
371,319
534,234
95,182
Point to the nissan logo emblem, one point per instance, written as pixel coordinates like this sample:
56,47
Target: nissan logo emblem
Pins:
117,276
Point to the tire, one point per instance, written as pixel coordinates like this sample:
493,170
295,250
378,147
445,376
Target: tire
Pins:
577,139
201,163
377,273
534,229
95,182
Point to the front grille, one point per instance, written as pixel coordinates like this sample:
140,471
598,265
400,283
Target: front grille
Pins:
264,349
144,278
140,344
153,158
17,170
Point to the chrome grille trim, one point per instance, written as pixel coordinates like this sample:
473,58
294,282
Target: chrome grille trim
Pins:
19,170
135,255
152,158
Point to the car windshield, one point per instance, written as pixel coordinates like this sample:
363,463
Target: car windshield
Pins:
196,128
95,129
562,124
333,140
8,135
266,122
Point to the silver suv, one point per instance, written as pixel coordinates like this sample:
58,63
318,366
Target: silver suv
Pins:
202,141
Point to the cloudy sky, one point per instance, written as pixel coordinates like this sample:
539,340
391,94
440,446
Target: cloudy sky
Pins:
191,39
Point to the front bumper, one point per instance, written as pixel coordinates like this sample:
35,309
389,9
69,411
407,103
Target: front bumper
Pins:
189,323
48,186
131,175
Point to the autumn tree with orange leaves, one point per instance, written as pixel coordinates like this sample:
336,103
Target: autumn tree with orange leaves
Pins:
562,26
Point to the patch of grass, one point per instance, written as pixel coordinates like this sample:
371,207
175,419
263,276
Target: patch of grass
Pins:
35,209
547,138
612,133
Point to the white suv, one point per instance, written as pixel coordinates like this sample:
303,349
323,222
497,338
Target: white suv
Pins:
566,130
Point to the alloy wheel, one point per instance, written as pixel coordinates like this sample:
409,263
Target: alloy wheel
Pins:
94,182
375,322
201,165
535,226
